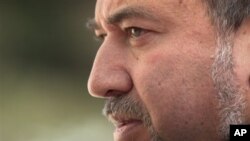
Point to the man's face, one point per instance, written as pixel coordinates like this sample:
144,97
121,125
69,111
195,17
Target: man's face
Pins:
157,57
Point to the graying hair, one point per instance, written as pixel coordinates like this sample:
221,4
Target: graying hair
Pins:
230,94
227,16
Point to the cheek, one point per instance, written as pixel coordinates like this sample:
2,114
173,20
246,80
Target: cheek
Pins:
164,97
171,91
159,85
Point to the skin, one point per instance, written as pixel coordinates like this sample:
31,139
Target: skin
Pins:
242,63
166,66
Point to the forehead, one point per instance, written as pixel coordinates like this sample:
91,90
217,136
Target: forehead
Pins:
105,8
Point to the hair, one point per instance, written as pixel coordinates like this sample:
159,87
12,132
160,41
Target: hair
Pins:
230,95
227,16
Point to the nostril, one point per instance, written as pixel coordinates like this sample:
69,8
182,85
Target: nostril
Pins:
114,93
108,81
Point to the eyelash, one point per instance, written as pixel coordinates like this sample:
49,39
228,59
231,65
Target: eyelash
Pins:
101,37
130,31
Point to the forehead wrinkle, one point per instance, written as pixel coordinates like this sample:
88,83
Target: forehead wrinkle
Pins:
122,14
130,12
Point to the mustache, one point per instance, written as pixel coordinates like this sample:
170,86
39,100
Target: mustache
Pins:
131,108
127,106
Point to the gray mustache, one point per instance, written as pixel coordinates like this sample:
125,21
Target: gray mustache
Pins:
125,105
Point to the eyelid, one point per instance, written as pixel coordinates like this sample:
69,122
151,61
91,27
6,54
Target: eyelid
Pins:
100,35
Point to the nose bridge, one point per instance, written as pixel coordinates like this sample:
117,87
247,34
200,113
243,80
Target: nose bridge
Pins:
109,74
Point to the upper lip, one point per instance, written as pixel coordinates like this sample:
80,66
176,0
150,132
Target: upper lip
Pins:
122,120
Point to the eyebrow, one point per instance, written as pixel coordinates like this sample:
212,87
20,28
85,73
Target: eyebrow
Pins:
92,24
130,12
122,14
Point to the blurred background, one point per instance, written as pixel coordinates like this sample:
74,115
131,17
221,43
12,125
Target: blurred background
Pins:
46,54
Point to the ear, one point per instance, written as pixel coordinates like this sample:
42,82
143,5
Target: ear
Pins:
241,54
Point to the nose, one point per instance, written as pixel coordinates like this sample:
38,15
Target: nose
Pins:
109,76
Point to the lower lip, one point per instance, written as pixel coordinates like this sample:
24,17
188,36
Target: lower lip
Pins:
130,129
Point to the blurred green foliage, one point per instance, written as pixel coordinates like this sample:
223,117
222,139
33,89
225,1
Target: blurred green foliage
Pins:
46,55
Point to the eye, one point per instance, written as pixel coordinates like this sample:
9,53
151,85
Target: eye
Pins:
135,32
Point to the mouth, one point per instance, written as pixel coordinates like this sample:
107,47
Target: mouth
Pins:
125,127
120,121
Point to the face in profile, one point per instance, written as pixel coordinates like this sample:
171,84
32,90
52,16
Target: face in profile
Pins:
154,68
